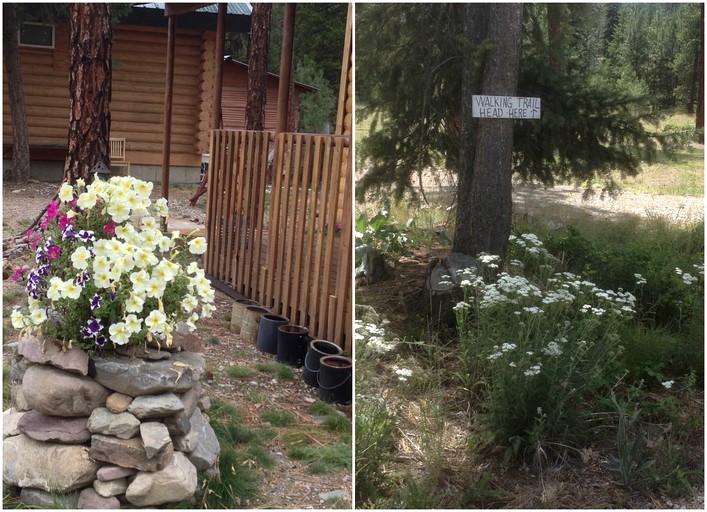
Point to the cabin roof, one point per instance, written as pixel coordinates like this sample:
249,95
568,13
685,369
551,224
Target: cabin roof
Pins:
233,62
204,19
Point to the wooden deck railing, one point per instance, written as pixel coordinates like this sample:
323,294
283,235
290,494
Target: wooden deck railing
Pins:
276,231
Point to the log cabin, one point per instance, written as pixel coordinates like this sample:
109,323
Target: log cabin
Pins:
234,96
138,88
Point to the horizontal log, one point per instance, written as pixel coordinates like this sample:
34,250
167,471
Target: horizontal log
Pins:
150,122
185,113
156,147
138,130
137,58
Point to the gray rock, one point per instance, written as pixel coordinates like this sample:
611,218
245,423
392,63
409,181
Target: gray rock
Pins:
10,418
155,437
155,406
108,473
190,399
48,500
55,392
111,487
44,351
208,448
128,453
118,402
141,377
332,495
176,482
18,367
17,397
187,443
178,424
90,499
49,466
57,429
122,425
204,403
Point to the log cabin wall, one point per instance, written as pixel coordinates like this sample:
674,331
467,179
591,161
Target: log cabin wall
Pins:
137,105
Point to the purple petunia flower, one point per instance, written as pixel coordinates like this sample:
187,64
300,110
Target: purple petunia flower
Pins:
94,326
82,278
40,256
101,340
95,302
68,233
86,235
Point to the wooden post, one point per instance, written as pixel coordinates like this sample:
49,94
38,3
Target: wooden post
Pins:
169,86
218,65
283,92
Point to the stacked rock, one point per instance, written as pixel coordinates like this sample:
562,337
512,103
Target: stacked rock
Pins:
124,429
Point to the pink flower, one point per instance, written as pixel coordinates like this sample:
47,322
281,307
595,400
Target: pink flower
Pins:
109,229
54,252
64,221
19,272
52,210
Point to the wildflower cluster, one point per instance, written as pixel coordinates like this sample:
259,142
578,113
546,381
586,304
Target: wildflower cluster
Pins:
100,278
542,339
371,337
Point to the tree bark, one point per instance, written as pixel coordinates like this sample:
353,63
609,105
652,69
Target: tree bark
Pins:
700,117
486,225
20,140
89,90
258,65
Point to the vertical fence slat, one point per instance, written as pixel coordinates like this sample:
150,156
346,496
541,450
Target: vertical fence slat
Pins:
330,214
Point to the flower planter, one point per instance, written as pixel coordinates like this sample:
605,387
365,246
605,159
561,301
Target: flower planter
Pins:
251,323
335,379
237,313
292,344
106,430
316,350
267,333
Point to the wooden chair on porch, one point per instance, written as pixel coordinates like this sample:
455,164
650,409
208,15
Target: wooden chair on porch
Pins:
117,154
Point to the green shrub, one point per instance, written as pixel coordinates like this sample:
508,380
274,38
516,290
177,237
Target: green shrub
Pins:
543,342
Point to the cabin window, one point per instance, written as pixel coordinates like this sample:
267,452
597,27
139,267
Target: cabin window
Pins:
37,35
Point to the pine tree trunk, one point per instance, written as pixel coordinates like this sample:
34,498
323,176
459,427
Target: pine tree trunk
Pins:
89,90
20,140
258,65
487,225
700,117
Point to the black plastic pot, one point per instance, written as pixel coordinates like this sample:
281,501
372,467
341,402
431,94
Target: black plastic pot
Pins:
316,350
267,333
292,344
335,379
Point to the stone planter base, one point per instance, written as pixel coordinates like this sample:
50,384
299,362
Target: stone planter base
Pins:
108,431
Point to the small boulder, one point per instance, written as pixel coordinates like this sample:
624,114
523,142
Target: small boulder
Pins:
176,482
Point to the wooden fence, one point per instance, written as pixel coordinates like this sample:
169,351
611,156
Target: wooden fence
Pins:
276,230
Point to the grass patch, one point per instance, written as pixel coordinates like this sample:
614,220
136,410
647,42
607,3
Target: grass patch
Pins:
12,295
213,340
323,459
337,423
277,418
224,412
281,371
241,372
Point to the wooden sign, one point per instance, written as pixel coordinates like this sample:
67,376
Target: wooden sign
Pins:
505,107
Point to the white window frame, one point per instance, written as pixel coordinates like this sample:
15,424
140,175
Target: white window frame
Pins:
19,35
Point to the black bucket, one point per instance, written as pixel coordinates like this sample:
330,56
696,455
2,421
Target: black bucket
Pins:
317,349
335,379
267,332
292,344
